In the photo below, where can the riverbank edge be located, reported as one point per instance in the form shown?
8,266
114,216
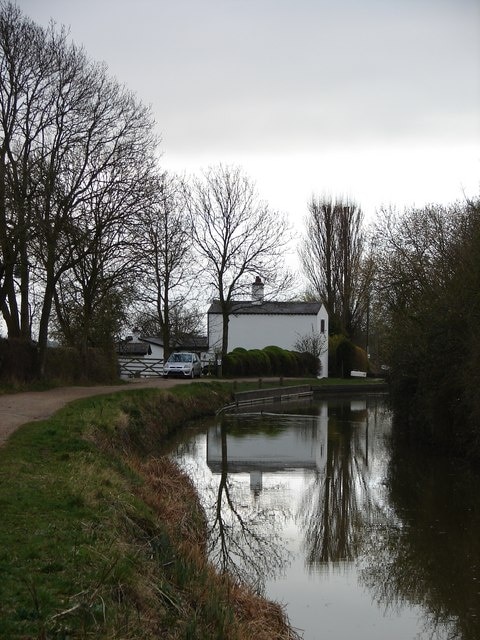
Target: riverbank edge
136,522
288,393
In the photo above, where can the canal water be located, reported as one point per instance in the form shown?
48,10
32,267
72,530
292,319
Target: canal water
316,507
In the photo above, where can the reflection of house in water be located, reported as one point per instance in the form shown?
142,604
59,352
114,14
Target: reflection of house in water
300,442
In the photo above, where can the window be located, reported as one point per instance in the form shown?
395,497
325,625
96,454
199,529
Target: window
322,326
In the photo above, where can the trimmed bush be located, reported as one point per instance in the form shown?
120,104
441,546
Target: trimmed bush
269,361
259,362
278,359
292,363
241,364
231,365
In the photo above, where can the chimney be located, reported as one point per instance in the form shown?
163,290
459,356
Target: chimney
257,291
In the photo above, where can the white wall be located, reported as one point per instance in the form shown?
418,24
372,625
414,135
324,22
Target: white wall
157,351
257,331
260,331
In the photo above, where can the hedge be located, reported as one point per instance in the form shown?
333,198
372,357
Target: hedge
19,364
271,360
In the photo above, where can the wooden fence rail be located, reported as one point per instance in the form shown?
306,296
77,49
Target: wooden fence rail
140,367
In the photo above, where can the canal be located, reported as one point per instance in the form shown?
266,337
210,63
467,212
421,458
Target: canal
317,507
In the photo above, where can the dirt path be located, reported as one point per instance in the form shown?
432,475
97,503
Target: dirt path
18,408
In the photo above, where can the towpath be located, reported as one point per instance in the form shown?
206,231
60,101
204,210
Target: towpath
19,408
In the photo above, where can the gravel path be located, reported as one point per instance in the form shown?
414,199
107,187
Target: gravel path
18,408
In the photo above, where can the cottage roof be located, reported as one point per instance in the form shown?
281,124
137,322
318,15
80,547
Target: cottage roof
249,307
192,341
152,340
186,341
133,349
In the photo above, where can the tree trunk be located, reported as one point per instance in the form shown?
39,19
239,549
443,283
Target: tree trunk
226,320
43,328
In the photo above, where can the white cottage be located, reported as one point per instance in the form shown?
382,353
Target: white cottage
257,323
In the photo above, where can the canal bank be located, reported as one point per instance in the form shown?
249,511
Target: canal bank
265,394
99,539
318,503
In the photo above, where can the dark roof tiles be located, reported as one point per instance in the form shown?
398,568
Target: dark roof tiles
247,307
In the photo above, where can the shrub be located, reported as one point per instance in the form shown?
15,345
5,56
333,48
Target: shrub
292,363
18,361
360,359
102,366
307,363
230,366
19,365
344,356
65,365
259,362
244,363
268,361
279,362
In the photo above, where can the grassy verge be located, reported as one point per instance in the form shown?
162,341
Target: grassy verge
99,540
22,387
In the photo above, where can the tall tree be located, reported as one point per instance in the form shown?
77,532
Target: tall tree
68,129
237,237
333,257
25,59
429,279
92,298
165,253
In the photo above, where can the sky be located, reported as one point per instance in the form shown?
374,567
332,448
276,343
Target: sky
374,100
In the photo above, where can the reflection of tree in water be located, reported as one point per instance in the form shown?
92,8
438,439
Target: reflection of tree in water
429,554
243,537
334,506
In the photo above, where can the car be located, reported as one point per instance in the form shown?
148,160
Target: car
183,364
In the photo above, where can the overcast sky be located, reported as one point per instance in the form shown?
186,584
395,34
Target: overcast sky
375,99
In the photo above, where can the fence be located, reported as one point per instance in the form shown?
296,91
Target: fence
140,367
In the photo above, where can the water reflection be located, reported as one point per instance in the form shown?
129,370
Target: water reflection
259,443
331,511
324,512
244,536
428,550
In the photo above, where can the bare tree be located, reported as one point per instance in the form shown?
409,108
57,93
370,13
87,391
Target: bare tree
167,259
68,130
333,258
92,298
237,236
318,252
24,94
314,342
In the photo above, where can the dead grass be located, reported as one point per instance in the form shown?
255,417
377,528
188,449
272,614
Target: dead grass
100,540
244,615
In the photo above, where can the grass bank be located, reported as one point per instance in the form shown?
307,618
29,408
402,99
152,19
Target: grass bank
98,540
